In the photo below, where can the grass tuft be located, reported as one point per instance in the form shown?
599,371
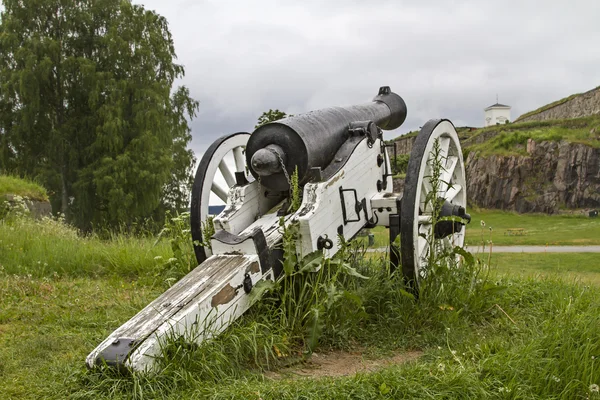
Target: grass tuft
22,187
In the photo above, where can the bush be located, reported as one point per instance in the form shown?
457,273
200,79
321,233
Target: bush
400,164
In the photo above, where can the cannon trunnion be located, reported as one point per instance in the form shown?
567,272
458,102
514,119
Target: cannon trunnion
345,177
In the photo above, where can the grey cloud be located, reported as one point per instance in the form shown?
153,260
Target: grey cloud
446,58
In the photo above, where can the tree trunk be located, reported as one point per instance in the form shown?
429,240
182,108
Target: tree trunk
64,205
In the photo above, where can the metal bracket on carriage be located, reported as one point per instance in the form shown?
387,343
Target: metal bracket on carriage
365,128
224,242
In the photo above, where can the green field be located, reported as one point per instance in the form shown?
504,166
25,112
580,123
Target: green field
584,267
524,331
540,229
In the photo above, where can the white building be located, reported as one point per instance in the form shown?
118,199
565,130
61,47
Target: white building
497,114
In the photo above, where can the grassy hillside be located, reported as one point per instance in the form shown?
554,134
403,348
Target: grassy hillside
511,139
549,106
22,187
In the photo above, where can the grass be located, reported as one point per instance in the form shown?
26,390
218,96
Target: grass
48,324
541,229
512,139
47,248
22,187
482,337
584,267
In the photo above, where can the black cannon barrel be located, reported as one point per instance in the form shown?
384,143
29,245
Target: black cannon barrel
311,140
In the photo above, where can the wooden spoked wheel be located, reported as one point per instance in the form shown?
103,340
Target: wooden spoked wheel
435,171
225,148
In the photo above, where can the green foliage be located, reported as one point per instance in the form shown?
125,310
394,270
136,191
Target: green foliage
177,233
295,192
400,164
22,187
208,230
14,210
270,116
88,108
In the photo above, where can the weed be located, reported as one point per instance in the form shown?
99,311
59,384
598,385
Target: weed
176,232
295,192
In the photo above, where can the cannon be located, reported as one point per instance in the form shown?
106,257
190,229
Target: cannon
337,158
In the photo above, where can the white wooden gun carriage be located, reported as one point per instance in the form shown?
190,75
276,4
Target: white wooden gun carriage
344,171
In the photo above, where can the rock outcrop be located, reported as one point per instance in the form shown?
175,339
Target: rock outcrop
38,209
553,175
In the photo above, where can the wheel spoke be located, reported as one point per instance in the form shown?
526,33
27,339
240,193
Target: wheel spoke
449,170
425,189
240,162
423,246
226,173
219,191
452,192
444,147
425,219
456,238
447,245
424,230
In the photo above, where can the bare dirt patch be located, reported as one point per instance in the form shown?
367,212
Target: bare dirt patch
341,363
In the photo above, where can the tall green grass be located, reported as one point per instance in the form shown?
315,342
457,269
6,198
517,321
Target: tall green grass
50,247
481,336
47,247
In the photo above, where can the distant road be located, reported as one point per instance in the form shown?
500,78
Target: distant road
523,249
537,249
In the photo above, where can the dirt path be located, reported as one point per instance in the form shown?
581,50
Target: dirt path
340,363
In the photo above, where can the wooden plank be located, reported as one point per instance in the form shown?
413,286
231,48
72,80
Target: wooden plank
189,300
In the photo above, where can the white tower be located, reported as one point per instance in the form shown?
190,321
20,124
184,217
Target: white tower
497,114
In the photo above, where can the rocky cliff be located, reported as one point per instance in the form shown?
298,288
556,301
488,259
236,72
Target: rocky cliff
551,176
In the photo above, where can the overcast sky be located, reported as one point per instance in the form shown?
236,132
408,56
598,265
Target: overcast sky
445,58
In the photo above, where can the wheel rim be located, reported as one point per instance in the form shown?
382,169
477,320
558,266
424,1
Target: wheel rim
417,239
214,159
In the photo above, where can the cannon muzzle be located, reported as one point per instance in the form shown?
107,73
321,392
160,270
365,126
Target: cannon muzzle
311,140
